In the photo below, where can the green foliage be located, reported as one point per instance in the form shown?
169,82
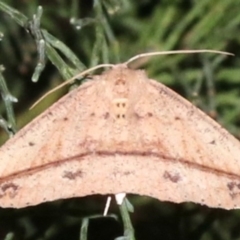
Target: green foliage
65,37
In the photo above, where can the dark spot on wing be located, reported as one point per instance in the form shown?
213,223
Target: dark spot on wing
230,186
126,173
213,142
120,116
11,185
106,115
174,177
31,143
234,189
72,175
9,188
140,116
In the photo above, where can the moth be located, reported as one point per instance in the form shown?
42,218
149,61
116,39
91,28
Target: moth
121,132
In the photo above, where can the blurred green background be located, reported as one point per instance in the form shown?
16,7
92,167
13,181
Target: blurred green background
113,31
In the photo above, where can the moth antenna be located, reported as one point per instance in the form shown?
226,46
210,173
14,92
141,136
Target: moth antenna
71,80
176,52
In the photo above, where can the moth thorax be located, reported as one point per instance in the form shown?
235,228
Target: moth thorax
120,106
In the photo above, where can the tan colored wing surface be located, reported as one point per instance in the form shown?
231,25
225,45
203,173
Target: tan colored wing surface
121,132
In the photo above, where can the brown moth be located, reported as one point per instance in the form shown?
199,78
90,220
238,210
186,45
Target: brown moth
121,132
